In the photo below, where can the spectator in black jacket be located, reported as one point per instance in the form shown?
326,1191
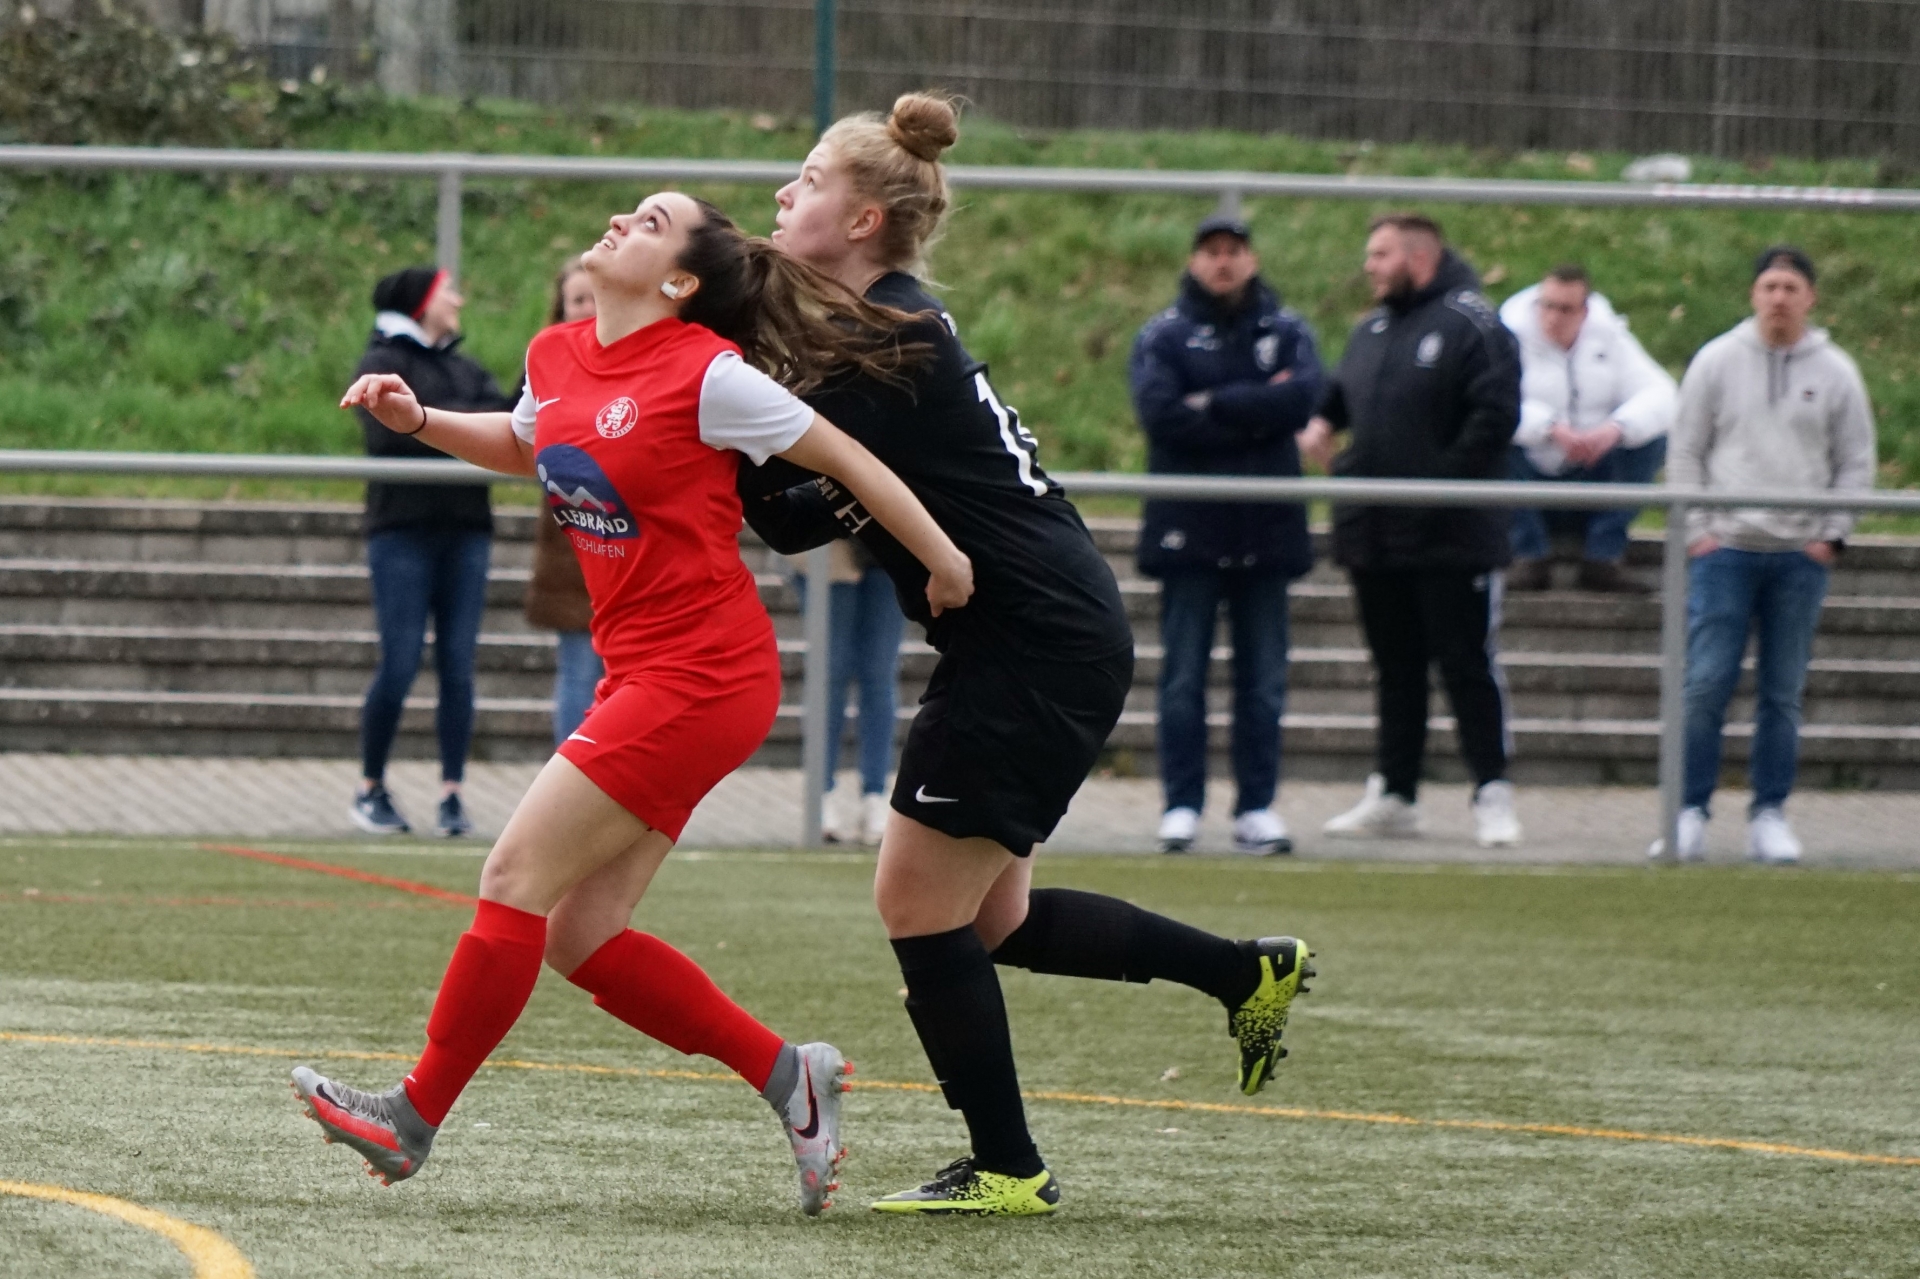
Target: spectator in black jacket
427,545
1222,381
1429,387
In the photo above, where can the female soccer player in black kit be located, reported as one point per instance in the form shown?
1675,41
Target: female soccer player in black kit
1031,680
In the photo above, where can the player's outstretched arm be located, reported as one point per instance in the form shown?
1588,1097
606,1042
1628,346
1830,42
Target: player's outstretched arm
484,439
828,450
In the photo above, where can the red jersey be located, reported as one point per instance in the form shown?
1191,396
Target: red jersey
633,444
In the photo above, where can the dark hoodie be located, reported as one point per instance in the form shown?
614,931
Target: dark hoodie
442,378
1429,388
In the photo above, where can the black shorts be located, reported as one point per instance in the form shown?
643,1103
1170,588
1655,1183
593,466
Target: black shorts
1002,743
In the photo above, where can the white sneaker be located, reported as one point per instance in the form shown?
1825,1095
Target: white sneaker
1495,825
1771,840
1378,815
1178,828
840,816
1262,831
1691,831
873,819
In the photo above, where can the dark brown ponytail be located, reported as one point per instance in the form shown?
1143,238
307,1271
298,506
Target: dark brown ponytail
797,324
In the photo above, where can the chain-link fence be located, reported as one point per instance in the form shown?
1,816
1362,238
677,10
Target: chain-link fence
1798,77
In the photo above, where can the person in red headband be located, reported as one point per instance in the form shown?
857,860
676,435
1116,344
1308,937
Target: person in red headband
428,546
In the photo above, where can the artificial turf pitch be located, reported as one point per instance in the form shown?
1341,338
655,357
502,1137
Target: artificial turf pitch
1778,1008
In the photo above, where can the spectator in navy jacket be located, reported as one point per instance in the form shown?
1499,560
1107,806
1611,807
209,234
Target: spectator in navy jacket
1222,380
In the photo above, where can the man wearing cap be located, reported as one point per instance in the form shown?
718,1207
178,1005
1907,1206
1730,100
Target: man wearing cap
1773,404
1222,380
427,545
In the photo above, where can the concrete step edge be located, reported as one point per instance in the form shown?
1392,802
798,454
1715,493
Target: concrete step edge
1293,721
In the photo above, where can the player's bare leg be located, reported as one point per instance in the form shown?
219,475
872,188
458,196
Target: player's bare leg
560,884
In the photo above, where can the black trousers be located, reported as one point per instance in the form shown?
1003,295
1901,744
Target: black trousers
1414,620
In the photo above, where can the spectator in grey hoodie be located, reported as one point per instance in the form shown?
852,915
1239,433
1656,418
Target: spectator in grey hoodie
1771,405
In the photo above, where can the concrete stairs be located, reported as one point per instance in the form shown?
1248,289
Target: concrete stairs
244,629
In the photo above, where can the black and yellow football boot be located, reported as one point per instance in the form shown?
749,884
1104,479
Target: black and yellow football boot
1256,1024
961,1188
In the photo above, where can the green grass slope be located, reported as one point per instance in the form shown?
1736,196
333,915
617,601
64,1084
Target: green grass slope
175,312
1730,1003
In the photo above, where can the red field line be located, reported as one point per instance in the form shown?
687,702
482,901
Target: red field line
346,872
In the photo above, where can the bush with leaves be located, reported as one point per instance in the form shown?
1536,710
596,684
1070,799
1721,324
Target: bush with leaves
104,73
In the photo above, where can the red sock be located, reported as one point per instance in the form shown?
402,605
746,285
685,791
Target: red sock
660,992
494,966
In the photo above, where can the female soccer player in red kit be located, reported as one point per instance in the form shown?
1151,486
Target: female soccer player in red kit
631,421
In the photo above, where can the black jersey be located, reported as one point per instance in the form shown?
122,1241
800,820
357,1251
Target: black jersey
1041,587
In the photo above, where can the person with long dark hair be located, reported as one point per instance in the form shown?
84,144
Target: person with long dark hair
630,422
1032,677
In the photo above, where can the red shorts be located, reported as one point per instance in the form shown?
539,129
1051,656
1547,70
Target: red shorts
663,734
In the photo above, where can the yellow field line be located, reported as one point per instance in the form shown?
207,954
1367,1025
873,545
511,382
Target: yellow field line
1043,1094
211,1256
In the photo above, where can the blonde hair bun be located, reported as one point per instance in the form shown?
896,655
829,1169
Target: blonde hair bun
924,124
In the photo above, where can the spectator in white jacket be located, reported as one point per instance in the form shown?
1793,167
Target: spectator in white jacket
1594,408
1771,405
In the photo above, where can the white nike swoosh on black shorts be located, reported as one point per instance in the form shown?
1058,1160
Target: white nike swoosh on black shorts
924,798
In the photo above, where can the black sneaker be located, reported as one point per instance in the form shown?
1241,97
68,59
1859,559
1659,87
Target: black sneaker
1608,577
452,822
1529,575
374,813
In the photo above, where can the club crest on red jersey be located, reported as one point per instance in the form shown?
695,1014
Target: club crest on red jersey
581,496
617,418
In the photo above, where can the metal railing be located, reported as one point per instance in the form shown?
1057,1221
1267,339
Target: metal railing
1675,502
452,169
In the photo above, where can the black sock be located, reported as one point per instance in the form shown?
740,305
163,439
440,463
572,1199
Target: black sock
1076,934
953,997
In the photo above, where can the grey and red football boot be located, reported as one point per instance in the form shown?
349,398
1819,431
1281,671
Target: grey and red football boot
382,1126
811,1116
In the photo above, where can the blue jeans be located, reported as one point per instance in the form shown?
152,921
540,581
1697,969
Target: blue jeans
1606,531
863,649
1257,620
419,574
576,673
1778,594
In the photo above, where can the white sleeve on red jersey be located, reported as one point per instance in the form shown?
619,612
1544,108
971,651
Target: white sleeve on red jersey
525,411
742,408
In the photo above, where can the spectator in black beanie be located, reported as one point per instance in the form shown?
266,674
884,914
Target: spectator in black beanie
427,544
